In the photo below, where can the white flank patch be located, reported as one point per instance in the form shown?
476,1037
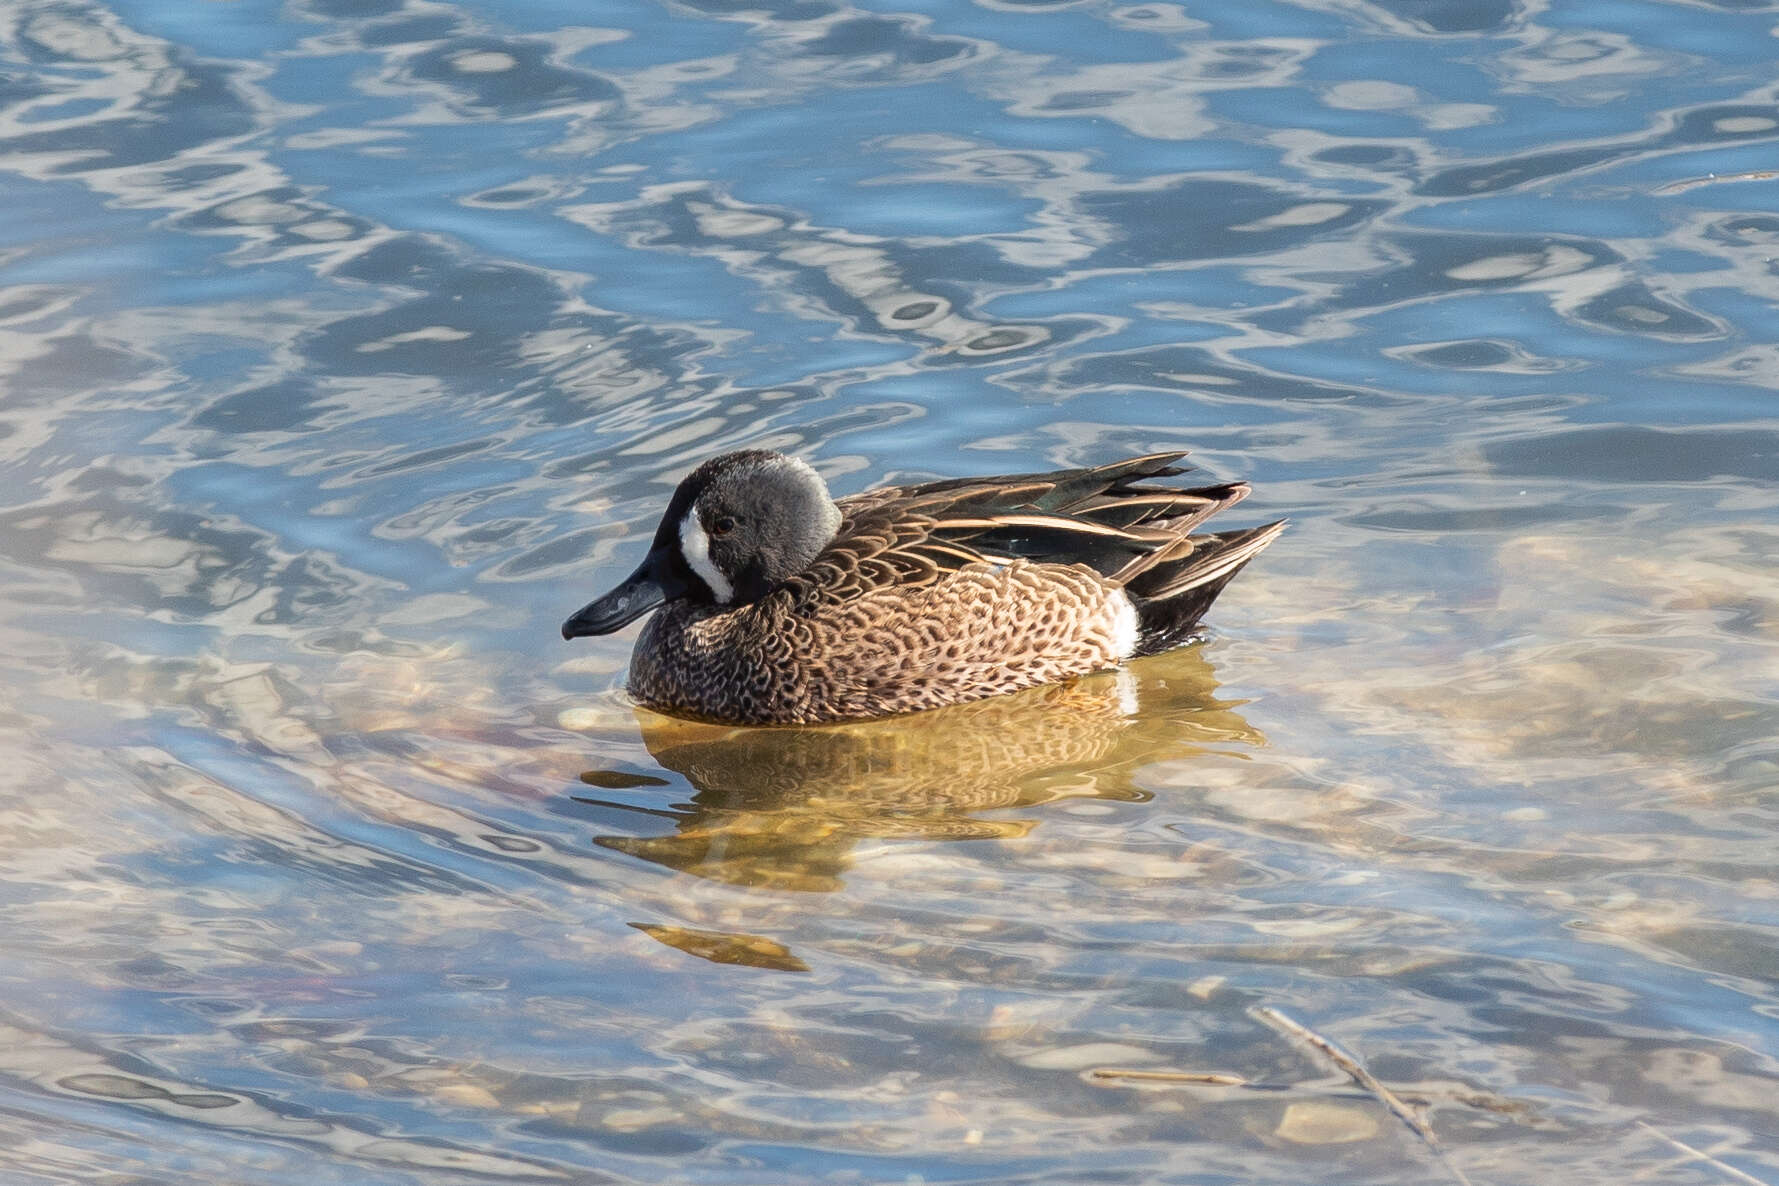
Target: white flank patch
695,545
1124,626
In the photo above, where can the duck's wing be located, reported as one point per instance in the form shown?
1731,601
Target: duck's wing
1057,490
1104,517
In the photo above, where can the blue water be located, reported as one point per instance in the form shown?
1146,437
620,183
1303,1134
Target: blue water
347,345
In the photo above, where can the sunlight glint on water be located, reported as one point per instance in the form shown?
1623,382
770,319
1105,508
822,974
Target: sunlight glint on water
347,345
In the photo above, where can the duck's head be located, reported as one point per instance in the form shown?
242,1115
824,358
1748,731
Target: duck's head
738,526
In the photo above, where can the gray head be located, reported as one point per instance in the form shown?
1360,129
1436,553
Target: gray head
737,527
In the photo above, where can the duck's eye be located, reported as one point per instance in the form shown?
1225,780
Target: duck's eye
722,525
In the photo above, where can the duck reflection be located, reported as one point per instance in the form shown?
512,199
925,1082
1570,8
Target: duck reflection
784,807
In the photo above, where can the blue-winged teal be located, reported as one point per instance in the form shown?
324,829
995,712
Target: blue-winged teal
782,606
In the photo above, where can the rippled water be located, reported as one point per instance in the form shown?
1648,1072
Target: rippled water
346,345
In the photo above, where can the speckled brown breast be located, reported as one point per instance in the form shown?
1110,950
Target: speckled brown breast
978,631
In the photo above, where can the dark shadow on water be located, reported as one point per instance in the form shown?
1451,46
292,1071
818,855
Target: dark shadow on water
785,807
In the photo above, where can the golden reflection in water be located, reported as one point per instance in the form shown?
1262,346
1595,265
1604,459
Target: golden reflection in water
784,807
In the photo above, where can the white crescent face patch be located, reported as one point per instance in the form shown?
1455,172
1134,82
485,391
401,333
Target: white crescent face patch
694,545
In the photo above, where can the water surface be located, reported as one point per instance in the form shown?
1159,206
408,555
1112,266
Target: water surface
347,345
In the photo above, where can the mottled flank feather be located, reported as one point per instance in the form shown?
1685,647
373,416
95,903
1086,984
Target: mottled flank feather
953,591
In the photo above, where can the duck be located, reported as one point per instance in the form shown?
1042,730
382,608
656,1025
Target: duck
775,604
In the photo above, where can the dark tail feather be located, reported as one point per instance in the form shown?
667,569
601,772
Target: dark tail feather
1115,477
1171,598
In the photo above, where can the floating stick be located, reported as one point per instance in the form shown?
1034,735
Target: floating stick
1355,1070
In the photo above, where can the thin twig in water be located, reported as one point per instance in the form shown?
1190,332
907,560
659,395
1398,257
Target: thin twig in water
1219,1079
1482,1101
1208,1078
1355,1070
1700,1155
